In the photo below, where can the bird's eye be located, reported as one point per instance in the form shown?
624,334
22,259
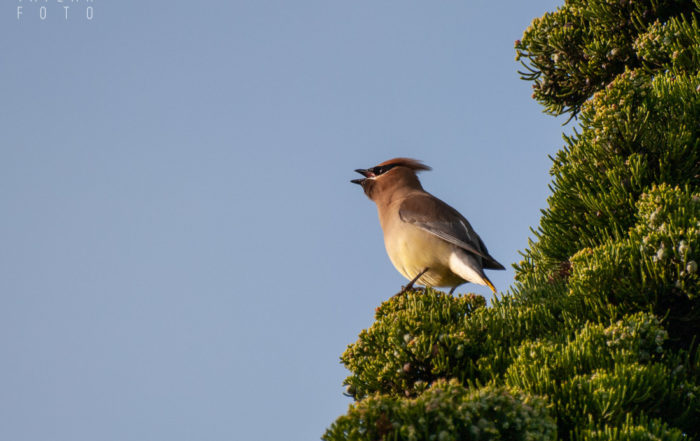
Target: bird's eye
381,169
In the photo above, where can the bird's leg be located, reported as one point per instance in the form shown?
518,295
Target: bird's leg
453,289
415,279
410,284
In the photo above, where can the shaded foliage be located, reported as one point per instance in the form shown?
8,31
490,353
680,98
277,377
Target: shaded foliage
447,411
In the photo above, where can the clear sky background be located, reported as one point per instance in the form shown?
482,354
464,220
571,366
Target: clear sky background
182,255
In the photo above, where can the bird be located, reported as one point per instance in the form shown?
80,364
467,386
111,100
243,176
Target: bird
428,241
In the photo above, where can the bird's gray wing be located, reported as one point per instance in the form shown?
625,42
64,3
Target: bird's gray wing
436,217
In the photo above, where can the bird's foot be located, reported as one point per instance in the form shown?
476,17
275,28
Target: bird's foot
409,287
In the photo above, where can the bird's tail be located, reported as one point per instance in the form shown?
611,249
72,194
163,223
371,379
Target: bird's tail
469,268
489,284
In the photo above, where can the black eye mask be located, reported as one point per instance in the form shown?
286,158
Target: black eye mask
381,169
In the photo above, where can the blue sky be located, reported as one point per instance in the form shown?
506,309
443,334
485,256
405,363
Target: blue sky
183,256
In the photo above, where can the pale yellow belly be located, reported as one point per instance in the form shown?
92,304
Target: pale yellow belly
414,250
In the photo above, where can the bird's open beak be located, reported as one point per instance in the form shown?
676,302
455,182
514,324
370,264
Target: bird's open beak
364,173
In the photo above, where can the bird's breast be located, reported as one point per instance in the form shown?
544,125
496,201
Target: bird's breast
412,249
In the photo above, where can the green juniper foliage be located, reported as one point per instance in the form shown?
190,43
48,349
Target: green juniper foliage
448,411
597,338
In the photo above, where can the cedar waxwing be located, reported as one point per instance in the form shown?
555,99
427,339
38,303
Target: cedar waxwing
428,241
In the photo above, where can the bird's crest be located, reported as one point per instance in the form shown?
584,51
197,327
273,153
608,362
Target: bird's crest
413,164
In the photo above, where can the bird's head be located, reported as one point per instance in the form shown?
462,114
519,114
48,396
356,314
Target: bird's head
389,176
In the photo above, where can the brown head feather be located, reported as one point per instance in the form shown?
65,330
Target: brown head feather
413,164
400,175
